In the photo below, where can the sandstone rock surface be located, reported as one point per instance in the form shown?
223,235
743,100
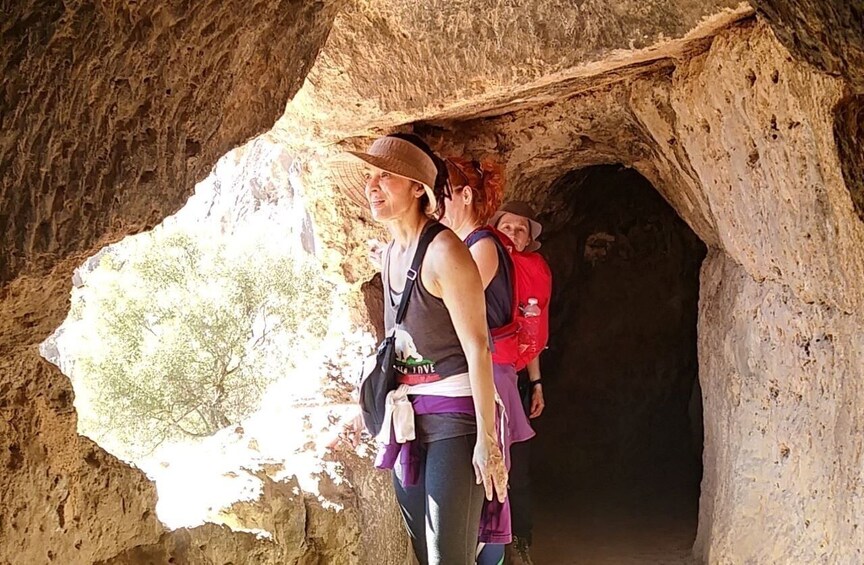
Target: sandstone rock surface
64,499
828,34
364,529
783,475
387,63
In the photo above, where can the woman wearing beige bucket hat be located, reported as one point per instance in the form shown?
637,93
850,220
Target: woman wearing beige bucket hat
449,444
517,220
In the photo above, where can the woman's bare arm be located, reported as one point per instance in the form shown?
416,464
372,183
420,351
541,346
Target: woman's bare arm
534,369
485,254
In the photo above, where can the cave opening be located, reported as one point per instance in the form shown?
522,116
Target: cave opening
181,344
616,464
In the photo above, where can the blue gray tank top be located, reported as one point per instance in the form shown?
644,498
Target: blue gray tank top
499,293
427,347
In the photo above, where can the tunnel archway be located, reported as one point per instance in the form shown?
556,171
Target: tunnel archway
617,460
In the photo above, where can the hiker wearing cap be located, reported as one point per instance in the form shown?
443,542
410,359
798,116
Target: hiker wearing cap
518,221
476,189
441,434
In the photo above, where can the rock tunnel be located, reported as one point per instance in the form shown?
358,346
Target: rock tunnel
627,287
623,362
708,151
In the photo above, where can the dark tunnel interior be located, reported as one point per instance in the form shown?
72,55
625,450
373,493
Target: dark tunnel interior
616,463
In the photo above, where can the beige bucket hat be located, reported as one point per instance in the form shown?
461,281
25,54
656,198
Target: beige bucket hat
392,154
520,208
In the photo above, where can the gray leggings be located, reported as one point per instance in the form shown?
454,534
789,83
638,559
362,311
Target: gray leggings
442,512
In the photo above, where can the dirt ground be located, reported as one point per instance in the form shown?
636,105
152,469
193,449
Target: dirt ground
628,527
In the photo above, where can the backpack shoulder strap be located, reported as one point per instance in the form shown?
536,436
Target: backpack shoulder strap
480,233
430,233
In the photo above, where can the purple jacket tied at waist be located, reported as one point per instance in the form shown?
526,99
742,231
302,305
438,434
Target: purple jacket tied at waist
495,519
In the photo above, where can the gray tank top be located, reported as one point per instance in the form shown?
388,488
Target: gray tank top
427,347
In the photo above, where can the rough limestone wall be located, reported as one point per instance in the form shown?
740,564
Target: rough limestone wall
206,545
781,381
359,527
780,324
452,58
110,113
758,128
381,527
629,122
827,33
64,499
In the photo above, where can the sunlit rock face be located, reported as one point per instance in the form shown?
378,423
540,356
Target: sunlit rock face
396,62
111,113
252,185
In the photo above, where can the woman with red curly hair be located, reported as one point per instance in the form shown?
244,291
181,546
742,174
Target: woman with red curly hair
476,190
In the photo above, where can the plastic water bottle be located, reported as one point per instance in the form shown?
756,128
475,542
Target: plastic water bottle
532,310
529,329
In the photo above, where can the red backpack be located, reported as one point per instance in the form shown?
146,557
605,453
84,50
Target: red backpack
522,340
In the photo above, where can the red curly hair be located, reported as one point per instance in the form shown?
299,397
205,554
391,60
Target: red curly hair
486,179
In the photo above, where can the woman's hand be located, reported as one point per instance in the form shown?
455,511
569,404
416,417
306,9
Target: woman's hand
489,467
352,430
537,401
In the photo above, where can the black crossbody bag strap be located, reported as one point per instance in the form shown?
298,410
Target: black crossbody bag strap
425,239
